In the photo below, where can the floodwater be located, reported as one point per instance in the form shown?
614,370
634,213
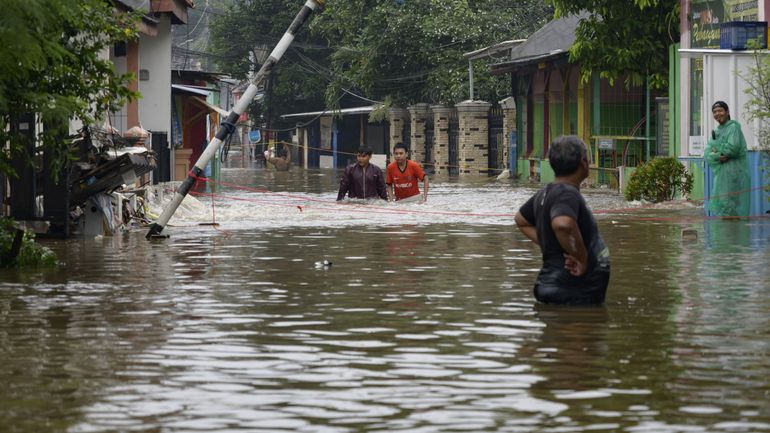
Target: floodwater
424,322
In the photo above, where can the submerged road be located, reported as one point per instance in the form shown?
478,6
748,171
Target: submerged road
424,322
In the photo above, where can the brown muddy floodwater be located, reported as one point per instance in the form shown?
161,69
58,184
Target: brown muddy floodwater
425,321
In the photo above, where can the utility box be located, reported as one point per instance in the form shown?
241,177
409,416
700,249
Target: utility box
735,35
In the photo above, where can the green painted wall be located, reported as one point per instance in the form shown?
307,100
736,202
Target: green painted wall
699,179
556,123
619,119
546,172
573,110
538,125
522,166
521,133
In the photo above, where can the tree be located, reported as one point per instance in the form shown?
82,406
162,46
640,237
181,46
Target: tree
622,39
411,51
243,36
378,50
758,106
50,65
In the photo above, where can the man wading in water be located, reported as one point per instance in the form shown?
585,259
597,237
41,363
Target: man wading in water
576,263
401,177
362,180
281,163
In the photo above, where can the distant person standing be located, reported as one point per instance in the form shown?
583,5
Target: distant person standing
362,179
726,155
402,176
281,163
576,263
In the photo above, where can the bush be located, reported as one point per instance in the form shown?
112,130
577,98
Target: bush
659,180
30,254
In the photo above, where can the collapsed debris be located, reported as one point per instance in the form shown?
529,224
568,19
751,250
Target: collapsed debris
100,191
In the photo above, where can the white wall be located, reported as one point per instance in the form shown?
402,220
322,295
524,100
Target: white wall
155,57
724,78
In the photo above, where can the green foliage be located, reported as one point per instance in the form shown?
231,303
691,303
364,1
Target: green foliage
402,52
50,65
624,38
241,40
758,105
30,255
413,51
659,180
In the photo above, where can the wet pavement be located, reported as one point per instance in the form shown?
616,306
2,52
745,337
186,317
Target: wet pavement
424,322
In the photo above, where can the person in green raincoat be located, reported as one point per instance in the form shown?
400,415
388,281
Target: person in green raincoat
726,155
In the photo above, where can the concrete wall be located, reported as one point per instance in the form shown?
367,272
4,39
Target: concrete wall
155,58
441,137
473,144
417,114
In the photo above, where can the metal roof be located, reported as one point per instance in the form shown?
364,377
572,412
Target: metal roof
553,40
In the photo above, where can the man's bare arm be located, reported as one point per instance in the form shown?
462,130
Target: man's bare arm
525,227
568,234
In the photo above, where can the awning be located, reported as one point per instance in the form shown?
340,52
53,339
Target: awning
191,89
205,104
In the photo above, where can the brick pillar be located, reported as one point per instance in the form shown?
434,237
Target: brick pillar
509,127
473,145
397,117
418,114
441,137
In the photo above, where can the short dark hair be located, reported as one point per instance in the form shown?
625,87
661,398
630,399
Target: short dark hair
565,154
400,145
722,104
366,150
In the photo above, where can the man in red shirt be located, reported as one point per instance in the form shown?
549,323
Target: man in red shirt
402,176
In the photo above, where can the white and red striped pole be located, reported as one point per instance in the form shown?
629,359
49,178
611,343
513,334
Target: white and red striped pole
228,126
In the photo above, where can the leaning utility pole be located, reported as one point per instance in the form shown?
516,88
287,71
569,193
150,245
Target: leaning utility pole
228,126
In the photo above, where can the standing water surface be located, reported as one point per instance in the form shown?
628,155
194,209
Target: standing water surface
424,322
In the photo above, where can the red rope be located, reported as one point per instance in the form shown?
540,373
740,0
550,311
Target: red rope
352,207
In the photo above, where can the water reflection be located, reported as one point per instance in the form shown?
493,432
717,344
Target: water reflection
423,323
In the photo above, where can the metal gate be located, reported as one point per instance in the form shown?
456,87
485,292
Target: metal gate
454,138
495,163
162,170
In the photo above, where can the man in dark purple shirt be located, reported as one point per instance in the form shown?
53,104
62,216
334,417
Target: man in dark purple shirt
362,179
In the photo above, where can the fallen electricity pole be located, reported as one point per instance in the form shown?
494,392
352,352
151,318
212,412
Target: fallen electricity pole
228,126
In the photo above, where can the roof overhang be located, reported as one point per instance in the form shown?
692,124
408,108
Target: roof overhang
528,63
700,52
193,90
492,50
202,102
177,9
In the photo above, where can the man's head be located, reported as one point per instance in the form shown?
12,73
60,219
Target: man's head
400,152
567,156
720,111
363,155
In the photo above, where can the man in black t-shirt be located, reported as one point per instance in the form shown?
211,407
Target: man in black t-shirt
576,262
